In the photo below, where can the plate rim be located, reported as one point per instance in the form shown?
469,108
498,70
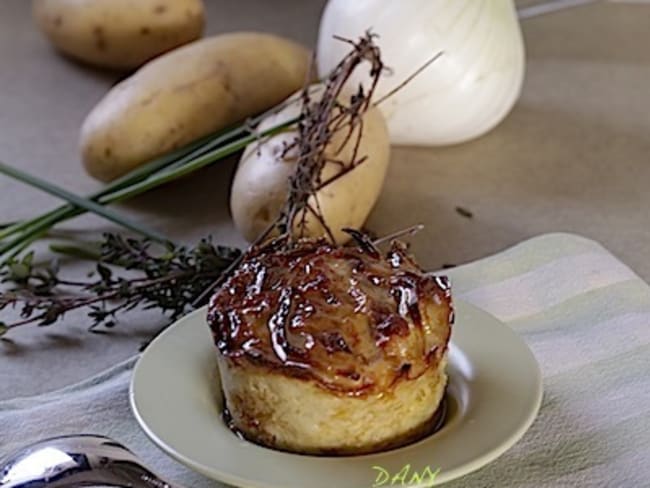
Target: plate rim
444,476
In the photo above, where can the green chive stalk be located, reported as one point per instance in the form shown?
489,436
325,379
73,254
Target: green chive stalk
159,172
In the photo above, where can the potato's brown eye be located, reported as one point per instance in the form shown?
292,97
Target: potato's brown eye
328,349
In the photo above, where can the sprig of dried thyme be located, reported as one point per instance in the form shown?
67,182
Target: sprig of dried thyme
129,273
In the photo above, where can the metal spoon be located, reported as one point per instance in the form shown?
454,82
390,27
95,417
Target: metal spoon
75,461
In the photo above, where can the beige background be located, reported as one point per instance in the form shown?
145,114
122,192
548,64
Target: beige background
573,156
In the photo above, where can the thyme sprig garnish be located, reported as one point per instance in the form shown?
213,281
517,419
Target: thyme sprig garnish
320,120
130,273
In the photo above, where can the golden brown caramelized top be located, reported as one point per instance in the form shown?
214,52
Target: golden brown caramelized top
353,320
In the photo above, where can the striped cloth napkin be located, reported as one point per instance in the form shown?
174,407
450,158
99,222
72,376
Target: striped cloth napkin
586,317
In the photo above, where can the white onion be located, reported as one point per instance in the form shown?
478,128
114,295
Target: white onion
465,92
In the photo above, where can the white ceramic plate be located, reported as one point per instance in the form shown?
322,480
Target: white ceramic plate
495,389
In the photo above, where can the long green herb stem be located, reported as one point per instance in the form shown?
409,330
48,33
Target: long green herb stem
175,158
88,205
200,162
126,180
32,228
157,173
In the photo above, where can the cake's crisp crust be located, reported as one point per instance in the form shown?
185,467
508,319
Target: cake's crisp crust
351,320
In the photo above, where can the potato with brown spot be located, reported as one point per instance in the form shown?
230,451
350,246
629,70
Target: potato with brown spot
186,94
119,34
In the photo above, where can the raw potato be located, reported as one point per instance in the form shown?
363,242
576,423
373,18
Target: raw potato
186,94
120,34
261,182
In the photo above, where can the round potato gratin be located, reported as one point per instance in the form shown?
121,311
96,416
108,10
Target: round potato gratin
325,349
